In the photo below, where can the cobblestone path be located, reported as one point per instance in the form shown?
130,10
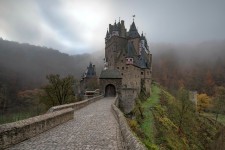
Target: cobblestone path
93,128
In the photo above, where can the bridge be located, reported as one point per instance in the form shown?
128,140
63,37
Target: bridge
99,125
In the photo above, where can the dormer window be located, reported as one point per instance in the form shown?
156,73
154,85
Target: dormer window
129,60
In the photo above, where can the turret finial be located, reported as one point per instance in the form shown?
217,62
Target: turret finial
133,17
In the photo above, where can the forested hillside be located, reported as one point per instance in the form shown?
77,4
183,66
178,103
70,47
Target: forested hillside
200,67
25,67
164,121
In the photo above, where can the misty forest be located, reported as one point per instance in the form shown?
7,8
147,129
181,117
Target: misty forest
24,69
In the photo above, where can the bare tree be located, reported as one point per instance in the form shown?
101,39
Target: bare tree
59,90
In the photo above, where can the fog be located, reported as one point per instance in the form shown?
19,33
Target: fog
186,55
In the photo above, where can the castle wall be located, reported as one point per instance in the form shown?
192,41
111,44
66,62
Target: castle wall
113,48
131,74
127,99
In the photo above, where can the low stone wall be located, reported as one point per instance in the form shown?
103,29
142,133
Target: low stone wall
13,133
131,142
77,105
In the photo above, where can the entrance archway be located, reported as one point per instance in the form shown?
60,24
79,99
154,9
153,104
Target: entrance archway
110,90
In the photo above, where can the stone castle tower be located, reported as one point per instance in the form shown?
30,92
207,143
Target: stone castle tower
88,79
128,64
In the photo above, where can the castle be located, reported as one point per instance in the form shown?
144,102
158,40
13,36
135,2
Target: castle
128,65
88,79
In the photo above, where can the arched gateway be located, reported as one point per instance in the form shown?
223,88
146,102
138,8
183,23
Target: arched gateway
110,82
110,90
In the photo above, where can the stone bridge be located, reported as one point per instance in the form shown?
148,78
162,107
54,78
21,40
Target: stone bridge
96,126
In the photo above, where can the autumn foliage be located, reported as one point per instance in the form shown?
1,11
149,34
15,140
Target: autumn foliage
204,102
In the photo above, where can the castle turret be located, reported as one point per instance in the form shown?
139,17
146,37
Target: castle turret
107,36
133,32
122,29
115,30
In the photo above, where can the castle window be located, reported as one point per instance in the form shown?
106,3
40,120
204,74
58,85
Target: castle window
122,74
142,73
121,60
129,60
122,68
118,67
126,67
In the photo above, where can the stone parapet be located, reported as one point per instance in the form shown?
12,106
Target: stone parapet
15,132
77,105
131,142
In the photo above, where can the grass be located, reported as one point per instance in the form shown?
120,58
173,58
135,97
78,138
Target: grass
14,117
148,123
21,114
221,117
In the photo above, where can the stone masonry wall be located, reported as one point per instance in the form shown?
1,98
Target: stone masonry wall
131,142
127,99
77,105
13,133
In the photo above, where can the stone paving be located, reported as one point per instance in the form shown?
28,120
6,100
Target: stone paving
93,128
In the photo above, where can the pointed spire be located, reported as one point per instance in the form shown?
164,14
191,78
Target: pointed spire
107,34
142,36
133,33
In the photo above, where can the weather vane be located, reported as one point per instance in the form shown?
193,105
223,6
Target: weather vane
133,17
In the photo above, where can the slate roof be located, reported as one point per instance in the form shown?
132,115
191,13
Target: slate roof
133,33
110,74
131,50
90,72
138,60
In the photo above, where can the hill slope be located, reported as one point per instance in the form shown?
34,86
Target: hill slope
24,67
165,122
29,65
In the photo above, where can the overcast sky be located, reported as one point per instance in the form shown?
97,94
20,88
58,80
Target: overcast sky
79,26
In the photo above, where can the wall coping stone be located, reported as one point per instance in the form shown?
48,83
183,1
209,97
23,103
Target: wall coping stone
131,141
76,105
